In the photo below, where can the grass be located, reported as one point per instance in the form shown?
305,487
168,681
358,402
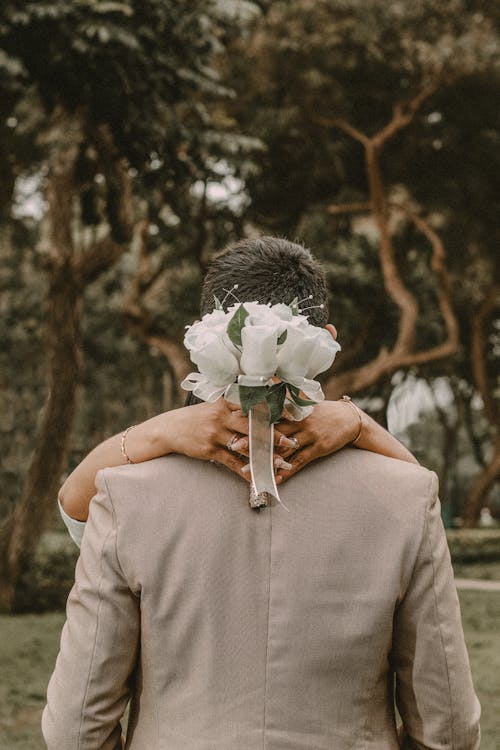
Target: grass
28,649
480,616
29,645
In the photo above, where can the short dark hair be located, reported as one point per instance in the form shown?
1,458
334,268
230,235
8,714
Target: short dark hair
267,269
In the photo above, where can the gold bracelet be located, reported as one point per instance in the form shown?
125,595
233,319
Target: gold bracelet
347,400
124,452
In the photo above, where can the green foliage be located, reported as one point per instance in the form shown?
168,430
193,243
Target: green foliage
236,324
274,395
22,383
46,582
275,398
120,63
250,396
295,395
474,545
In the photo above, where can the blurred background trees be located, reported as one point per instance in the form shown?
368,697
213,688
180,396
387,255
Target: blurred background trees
138,139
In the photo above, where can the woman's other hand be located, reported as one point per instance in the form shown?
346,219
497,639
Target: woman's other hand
331,426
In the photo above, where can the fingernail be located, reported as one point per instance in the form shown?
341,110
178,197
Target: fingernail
281,463
286,441
240,444
245,469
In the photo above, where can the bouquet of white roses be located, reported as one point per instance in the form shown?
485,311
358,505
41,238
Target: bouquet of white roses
254,353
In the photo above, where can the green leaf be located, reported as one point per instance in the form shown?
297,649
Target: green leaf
218,303
294,393
236,324
275,386
282,338
250,396
275,400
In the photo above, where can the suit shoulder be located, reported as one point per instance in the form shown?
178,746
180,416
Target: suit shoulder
381,475
146,473
393,467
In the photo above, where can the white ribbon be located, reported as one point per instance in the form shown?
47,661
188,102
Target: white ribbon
261,441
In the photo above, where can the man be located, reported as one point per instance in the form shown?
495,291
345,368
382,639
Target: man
237,630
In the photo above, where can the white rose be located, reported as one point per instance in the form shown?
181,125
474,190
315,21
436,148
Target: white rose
294,354
307,351
299,321
214,359
262,315
259,343
215,321
323,354
202,387
282,311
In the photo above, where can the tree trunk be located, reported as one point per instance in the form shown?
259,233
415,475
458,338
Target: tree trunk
483,483
21,530
480,488
468,421
402,354
70,270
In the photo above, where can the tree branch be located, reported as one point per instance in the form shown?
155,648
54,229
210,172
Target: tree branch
118,185
478,347
341,124
475,441
483,483
403,114
139,319
144,328
103,253
389,361
401,354
101,256
393,281
438,266
350,208
481,486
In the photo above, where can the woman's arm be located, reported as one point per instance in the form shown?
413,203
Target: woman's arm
204,430
331,426
201,431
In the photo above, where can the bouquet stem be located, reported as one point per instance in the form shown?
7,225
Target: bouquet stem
261,432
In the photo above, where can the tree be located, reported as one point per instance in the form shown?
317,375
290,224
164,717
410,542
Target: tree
114,84
361,110
483,378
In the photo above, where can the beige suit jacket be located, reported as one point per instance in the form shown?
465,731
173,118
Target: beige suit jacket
236,629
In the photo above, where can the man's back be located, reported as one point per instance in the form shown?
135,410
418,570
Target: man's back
272,629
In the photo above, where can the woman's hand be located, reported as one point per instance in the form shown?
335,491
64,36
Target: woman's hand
326,430
202,431
331,426
206,430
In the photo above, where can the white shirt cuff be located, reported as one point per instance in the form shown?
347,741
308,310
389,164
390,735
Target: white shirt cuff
75,528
